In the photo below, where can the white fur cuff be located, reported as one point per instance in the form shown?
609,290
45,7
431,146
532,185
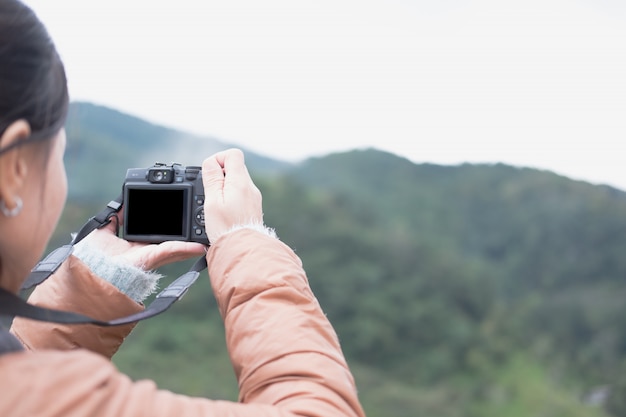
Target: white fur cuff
135,282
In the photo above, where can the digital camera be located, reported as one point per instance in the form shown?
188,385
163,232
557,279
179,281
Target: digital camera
164,202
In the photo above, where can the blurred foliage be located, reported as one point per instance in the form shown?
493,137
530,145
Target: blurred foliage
469,290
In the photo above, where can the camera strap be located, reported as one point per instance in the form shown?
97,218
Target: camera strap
12,305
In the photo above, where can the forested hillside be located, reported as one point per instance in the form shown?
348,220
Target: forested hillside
469,290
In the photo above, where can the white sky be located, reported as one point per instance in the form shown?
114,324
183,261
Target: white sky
537,83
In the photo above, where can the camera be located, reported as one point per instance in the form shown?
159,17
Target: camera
164,202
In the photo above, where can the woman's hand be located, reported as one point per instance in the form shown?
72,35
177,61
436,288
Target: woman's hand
142,255
230,197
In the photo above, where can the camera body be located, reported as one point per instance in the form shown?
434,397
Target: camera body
163,203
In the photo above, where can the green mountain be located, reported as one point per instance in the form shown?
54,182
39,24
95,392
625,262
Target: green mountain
468,290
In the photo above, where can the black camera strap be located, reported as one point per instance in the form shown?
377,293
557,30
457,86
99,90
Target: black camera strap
12,305
53,261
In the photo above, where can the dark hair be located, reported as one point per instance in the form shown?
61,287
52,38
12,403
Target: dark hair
33,85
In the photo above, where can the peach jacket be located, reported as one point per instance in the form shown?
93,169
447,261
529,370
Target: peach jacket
285,353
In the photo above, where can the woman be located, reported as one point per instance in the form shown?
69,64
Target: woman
285,353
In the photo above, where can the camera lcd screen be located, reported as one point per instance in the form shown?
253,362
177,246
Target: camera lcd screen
155,212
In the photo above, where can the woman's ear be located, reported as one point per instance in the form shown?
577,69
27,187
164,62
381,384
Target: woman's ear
13,165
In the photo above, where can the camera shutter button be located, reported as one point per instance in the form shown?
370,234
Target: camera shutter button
191,173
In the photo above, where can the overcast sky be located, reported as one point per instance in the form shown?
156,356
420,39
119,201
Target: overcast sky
537,83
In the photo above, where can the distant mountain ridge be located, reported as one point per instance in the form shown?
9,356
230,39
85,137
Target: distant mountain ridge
103,143
483,208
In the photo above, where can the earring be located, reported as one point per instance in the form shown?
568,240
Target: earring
11,212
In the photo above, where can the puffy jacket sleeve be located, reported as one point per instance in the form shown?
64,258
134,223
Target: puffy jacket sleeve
75,288
283,348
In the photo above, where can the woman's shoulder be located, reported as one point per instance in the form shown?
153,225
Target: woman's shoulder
45,382
51,367
43,360
78,383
